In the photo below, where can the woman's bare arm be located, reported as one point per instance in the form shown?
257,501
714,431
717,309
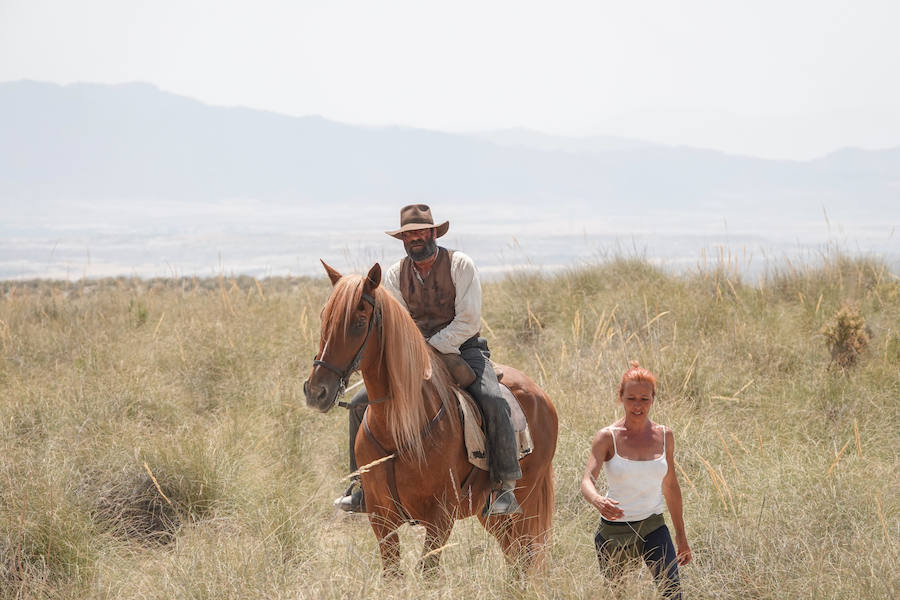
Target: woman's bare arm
672,493
600,450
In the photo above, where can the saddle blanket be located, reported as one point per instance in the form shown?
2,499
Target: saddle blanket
476,447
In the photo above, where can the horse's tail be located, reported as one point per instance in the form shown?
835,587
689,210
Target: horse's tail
525,537
539,524
539,527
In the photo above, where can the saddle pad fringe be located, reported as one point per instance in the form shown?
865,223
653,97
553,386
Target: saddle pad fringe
476,447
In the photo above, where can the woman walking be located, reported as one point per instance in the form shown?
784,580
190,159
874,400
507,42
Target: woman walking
638,457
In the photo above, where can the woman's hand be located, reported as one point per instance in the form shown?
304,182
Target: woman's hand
683,552
608,507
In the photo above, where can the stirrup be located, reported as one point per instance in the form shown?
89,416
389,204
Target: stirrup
504,503
353,500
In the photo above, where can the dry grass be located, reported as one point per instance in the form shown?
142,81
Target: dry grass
155,443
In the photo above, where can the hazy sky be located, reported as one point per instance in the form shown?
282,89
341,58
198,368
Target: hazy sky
785,79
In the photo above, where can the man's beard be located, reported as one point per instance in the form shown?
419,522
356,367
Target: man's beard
423,252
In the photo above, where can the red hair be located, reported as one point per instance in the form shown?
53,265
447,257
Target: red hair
637,373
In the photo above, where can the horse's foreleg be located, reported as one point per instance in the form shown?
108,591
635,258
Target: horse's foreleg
388,544
436,535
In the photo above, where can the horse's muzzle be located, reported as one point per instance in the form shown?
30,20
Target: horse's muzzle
318,396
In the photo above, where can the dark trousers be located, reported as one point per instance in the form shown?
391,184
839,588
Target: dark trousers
503,452
658,554
357,408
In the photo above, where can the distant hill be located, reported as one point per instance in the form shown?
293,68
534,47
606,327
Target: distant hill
133,143
526,138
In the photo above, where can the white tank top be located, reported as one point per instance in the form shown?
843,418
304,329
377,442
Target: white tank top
636,484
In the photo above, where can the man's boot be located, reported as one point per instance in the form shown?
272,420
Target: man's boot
504,500
353,500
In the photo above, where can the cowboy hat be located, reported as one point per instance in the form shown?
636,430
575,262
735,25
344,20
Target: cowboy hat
418,216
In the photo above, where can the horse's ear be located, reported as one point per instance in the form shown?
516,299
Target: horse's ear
333,275
373,279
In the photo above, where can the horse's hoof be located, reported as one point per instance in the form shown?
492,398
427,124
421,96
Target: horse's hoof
430,571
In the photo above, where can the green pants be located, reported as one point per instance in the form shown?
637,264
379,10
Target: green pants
625,540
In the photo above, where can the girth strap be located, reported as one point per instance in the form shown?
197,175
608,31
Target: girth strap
390,474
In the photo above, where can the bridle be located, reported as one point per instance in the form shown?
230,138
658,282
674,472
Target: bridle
344,374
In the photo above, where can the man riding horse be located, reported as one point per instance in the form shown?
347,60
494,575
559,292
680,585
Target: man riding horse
441,291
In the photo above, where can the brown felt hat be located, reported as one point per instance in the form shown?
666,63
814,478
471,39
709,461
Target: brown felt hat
418,216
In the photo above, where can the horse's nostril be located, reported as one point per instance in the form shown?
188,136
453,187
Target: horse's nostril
315,394
311,392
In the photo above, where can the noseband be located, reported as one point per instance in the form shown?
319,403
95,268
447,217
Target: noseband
344,375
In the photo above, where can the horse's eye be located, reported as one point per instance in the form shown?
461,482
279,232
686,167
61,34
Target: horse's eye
358,325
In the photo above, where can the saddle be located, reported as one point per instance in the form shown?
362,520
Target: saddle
460,370
473,432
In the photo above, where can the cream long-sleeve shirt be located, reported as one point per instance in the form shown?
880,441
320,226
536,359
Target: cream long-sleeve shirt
467,321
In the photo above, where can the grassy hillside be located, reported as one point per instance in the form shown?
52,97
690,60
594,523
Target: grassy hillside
155,442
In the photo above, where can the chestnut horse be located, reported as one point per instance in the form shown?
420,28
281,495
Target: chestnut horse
413,419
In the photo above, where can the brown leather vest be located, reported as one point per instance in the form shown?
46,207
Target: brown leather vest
432,301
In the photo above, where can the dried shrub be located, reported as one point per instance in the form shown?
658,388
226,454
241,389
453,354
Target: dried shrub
846,335
133,508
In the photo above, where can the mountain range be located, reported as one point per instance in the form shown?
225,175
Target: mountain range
132,143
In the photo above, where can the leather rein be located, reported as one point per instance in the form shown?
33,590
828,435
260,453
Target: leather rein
344,374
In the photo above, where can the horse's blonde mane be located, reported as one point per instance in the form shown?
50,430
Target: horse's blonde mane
344,299
405,357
